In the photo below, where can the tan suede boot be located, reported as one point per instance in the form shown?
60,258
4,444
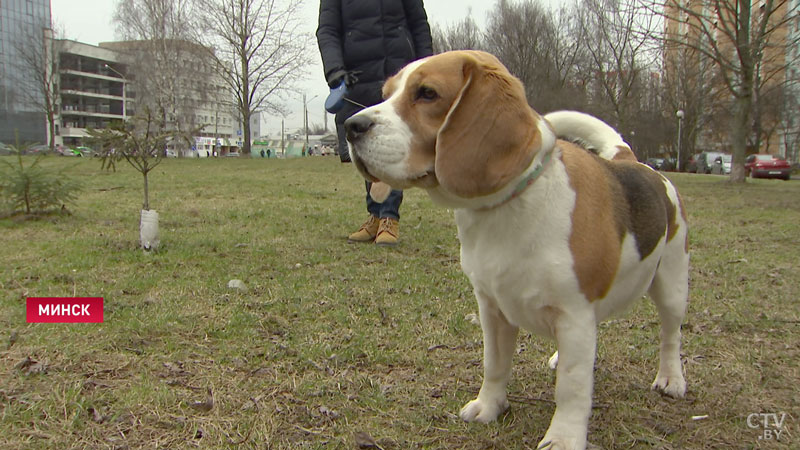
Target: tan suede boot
367,232
388,232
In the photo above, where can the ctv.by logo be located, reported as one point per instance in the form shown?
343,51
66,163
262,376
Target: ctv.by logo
771,425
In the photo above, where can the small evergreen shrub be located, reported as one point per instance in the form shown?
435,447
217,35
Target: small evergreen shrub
33,189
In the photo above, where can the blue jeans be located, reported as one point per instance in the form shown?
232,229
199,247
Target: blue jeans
389,209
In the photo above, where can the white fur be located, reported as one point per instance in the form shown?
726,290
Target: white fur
589,130
517,256
386,149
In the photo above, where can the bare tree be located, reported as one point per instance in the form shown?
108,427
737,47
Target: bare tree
522,34
39,59
543,48
570,57
162,46
689,86
617,35
736,37
464,35
259,51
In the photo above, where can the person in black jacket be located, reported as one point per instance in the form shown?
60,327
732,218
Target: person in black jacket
363,42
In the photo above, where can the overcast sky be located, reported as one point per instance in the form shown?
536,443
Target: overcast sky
89,21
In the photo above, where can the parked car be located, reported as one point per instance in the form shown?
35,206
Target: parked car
722,165
691,164
4,150
767,166
77,151
655,163
234,154
37,149
705,160
170,153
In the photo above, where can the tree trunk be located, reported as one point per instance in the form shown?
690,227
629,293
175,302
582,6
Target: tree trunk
739,132
246,135
51,122
744,98
246,95
146,204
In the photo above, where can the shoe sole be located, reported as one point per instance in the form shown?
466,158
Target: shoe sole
351,241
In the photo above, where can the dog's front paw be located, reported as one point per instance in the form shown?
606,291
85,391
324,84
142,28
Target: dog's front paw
556,443
483,411
552,363
671,385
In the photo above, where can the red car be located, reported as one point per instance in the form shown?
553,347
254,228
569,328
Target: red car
767,166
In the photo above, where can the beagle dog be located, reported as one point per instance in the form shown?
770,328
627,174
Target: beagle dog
555,237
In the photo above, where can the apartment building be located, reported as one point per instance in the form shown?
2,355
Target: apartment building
184,82
790,136
94,90
22,23
698,75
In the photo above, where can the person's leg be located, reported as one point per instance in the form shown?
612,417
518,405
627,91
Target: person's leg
389,213
342,150
374,208
369,229
390,208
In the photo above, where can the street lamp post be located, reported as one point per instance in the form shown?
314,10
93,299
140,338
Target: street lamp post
124,100
679,114
305,115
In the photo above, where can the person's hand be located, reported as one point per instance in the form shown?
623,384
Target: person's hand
336,78
351,78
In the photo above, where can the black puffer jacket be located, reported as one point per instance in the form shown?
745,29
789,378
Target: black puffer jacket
374,37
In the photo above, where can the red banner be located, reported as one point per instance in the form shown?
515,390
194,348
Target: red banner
65,309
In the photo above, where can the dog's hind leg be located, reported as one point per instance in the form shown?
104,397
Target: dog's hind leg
670,291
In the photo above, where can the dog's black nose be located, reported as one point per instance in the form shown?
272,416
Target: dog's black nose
356,126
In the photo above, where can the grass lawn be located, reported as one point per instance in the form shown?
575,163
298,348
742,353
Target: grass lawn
340,346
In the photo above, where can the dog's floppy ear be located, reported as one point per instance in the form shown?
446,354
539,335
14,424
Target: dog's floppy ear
490,133
379,191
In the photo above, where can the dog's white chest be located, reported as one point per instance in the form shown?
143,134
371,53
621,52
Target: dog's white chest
520,258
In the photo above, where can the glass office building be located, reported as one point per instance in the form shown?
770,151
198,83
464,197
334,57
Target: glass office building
22,24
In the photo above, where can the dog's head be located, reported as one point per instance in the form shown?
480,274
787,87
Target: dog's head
457,123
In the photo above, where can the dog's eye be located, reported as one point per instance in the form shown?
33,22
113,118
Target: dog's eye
427,94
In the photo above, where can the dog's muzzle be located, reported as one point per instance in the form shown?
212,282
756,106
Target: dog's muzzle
355,128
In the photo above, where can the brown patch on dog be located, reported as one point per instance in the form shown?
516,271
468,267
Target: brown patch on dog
672,224
645,198
624,154
391,84
685,221
596,220
613,199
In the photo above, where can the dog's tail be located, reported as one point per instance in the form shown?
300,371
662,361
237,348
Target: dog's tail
590,133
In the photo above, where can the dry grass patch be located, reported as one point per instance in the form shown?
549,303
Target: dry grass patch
336,345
